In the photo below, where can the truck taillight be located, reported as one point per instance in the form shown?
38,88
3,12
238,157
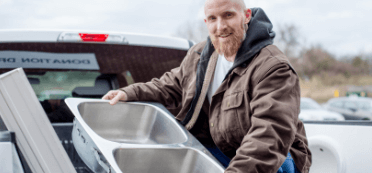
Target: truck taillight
93,37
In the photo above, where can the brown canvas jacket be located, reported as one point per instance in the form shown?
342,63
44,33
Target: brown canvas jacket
253,116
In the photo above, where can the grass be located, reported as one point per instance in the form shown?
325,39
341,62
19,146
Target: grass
322,87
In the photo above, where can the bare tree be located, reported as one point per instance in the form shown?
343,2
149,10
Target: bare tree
193,30
368,59
288,39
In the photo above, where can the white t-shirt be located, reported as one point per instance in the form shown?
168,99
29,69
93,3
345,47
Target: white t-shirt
222,67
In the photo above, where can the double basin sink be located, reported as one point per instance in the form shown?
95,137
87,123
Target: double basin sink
138,137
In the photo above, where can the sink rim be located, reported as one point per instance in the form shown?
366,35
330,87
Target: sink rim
74,103
202,154
163,115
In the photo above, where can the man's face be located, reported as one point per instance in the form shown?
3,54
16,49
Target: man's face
225,22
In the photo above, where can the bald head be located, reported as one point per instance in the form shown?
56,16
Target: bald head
238,4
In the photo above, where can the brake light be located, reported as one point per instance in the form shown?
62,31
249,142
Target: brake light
87,37
93,37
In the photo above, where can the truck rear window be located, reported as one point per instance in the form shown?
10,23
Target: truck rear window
52,87
59,85
86,70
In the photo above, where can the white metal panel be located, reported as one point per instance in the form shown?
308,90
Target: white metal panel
6,160
157,41
28,36
340,148
35,136
131,38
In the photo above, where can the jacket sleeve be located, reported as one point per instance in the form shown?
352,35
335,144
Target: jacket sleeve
275,102
167,90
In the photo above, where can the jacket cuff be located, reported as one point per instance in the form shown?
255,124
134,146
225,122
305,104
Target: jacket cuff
131,93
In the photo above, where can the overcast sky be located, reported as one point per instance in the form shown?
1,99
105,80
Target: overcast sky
341,27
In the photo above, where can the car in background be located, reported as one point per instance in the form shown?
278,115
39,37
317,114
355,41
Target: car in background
312,111
352,108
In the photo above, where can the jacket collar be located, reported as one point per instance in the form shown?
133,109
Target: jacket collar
258,36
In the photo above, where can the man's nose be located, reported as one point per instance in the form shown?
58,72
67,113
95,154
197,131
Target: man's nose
221,24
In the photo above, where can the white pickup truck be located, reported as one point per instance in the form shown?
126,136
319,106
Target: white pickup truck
87,64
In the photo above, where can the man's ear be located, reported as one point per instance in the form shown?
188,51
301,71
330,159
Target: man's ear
248,15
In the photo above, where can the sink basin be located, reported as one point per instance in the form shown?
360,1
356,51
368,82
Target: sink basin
131,123
160,160
135,137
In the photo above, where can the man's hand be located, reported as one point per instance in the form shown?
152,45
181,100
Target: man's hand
115,96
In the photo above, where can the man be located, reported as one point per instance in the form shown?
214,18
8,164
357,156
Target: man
237,93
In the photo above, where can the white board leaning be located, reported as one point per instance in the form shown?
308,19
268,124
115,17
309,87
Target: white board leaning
35,136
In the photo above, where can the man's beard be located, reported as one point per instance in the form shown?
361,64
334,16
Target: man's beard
232,43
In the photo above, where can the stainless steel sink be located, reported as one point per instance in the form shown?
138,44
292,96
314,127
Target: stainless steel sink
135,137
159,160
131,123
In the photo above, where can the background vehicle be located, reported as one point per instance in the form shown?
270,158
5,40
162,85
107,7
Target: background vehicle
312,111
352,108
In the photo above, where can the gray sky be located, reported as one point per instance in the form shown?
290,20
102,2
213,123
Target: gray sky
341,27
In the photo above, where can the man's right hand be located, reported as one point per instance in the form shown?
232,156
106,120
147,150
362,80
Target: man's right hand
115,96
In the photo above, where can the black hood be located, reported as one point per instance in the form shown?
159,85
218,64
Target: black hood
258,36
